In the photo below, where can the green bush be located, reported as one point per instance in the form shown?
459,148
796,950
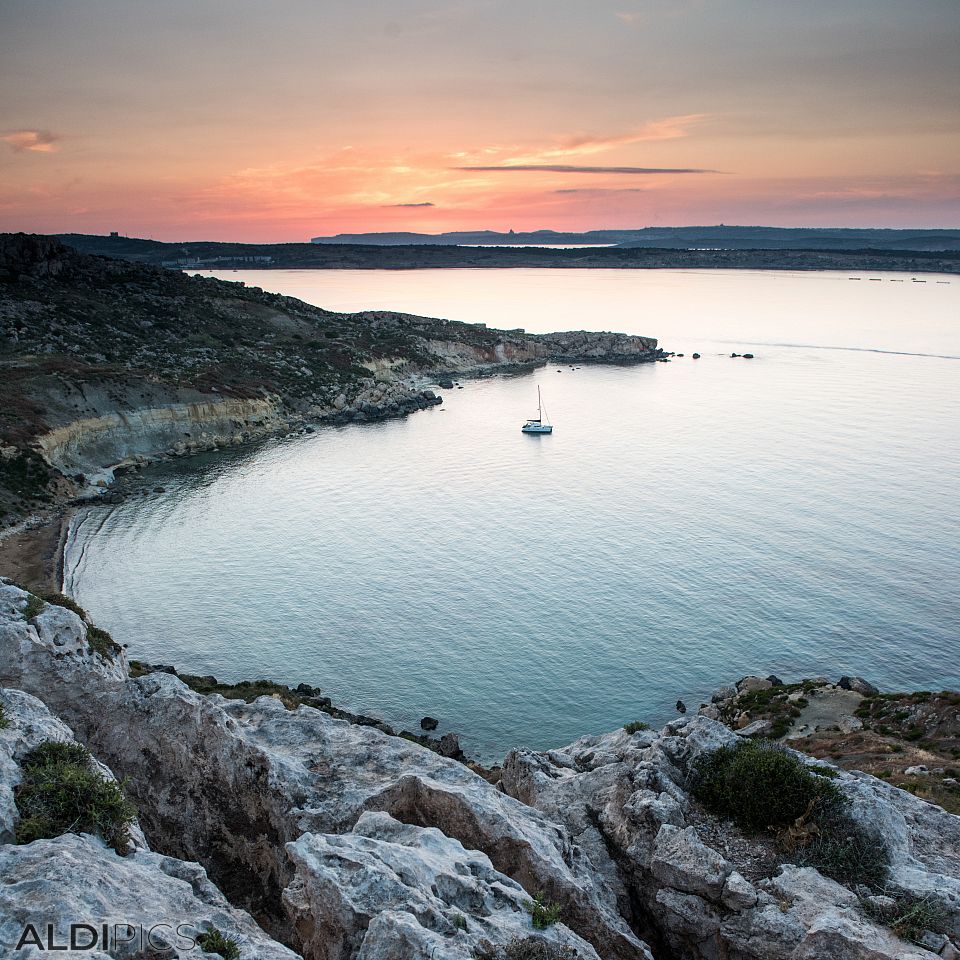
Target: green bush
62,793
635,726
543,913
759,784
213,941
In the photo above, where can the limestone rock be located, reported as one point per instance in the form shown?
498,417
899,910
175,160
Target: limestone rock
681,861
423,887
685,872
738,893
77,879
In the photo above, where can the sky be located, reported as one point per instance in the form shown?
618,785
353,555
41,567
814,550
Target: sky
282,120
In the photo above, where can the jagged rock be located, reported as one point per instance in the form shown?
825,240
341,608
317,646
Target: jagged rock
858,685
738,893
681,861
427,890
628,795
77,879
750,684
429,723
755,728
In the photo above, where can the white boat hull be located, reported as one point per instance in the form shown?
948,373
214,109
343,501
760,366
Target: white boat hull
536,428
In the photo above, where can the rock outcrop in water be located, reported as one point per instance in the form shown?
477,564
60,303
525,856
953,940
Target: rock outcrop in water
344,842
107,363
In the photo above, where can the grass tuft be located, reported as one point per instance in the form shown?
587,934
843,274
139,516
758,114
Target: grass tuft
101,642
62,600
527,948
214,941
543,912
34,607
911,917
635,726
61,793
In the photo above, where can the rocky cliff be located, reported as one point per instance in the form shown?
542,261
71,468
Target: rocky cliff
106,362
343,842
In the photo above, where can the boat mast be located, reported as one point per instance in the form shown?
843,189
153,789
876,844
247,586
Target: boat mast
539,406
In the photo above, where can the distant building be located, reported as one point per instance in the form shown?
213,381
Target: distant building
114,233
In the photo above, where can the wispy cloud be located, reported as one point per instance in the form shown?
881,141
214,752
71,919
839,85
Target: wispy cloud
601,191
426,203
629,16
571,168
585,144
34,141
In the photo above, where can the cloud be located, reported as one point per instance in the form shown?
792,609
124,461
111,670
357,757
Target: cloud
593,191
570,168
582,144
424,204
36,141
629,16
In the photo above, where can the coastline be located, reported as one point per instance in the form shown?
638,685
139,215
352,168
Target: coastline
33,553
360,256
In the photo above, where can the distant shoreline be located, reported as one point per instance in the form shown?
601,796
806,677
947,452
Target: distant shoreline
285,256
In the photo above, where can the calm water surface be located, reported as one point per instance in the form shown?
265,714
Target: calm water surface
686,523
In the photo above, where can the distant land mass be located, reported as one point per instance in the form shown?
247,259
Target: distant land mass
684,238
211,255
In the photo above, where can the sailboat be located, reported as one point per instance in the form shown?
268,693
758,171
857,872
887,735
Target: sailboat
541,424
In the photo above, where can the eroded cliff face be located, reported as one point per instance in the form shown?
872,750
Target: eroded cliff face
92,444
344,842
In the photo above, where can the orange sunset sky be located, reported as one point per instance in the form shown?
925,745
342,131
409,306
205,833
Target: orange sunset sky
235,120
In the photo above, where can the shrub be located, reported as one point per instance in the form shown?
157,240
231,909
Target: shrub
843,851
911,916
62,793
101,642
213,941
758,784
543,912
4,722
635,726
34,606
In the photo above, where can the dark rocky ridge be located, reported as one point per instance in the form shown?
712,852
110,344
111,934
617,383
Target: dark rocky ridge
871,254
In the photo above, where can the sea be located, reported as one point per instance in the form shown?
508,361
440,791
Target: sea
686,524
